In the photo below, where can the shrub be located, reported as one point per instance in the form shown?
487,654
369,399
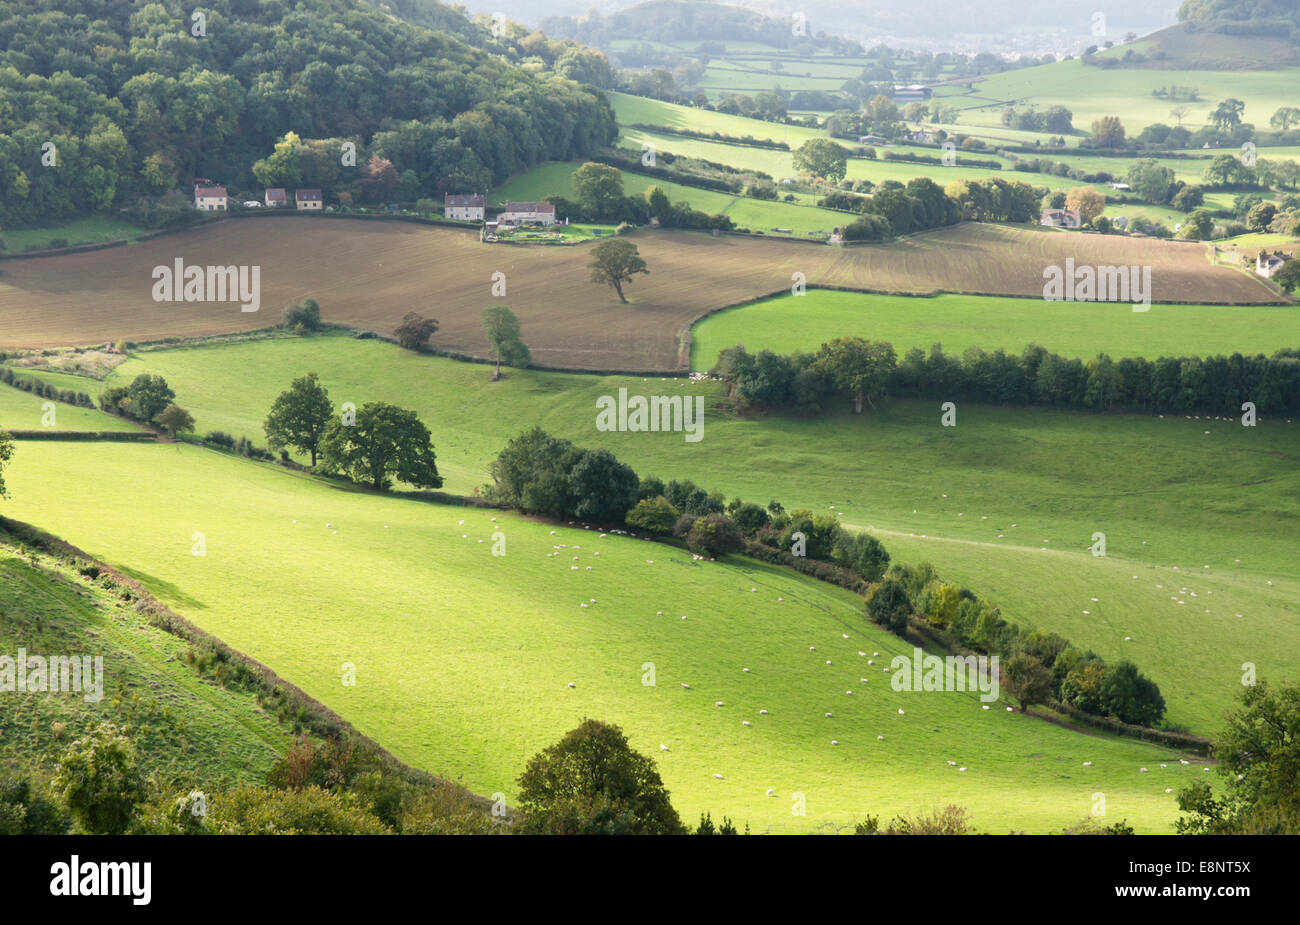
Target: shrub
714,535
654,515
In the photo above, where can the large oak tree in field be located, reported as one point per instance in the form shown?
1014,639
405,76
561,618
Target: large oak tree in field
384,443
299,416
614,262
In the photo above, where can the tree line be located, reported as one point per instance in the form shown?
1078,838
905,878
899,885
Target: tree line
537,473
862,371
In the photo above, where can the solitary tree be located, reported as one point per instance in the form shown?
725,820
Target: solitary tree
821,157
1088,201
614,262
384,443
303,315
599,188
299,416
415,330
502,330
593,783
174,419
1108,132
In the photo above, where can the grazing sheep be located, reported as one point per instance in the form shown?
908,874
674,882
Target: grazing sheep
744,722
571,684
1143,770
663,747
718,776
835,741
900,711
1087,764
746,670
717,703
880,738
685,685
770,792
762,713
829,715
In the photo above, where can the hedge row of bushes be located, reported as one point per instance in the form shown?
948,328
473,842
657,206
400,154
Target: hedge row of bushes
45,390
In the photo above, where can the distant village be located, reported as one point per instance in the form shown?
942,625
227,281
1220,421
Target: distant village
464,207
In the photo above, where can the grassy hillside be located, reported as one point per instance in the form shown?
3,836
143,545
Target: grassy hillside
463,659
978,500
188,730
788,323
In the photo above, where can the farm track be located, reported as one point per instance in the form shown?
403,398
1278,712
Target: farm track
369,274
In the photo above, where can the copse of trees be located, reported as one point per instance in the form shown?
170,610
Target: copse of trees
806,383
415,330
146,397
302,316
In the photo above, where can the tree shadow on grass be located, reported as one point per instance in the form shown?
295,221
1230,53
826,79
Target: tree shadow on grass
165,591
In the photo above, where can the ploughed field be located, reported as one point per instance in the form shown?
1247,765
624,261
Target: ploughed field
370,274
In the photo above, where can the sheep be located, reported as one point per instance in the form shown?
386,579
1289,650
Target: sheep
952,764
829,715
961,769
1143,770
861,653
571,684
900,711
718,776
848,692
875,654
835,741
880,738
717,703
812,648
1087,764
745,670
845,635
762,713
744,722
770,792
663,747
686,686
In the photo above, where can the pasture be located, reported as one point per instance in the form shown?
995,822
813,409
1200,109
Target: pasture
1074,329
189,731
370,274
464,659
996,498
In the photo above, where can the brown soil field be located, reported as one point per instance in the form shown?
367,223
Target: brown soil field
369,274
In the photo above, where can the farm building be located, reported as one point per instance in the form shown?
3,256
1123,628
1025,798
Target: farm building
527,213
1268,264
911,92
467,207
1061,218
276,197
308,200
211,198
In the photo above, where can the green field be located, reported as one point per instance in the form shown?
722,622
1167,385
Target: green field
556,179
93,229
1167,494
1091,92
188,731
463,659
21,410
1075,329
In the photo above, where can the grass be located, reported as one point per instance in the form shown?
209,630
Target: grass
370,274
1091,92
463,659
93,229
1077,329
21,410
556,179
186,729
978,500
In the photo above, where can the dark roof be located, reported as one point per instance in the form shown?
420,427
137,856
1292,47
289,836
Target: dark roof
473,200
308,195
275,192
207,192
